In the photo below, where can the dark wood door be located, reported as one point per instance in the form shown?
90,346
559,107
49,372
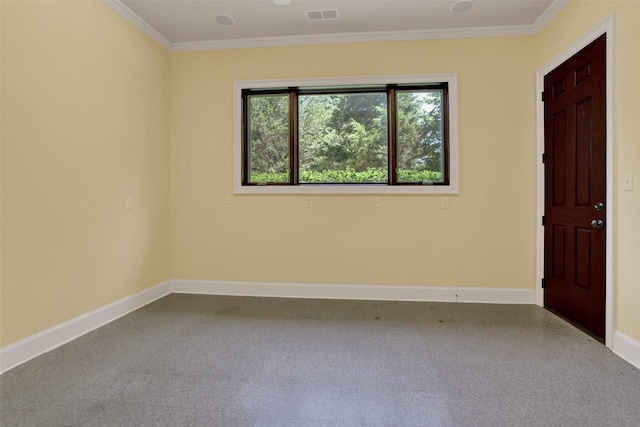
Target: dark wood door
575,187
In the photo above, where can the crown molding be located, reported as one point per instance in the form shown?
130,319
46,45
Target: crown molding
549,13
375,36
142,25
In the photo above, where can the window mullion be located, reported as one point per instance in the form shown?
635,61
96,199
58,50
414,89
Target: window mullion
391,129
294,178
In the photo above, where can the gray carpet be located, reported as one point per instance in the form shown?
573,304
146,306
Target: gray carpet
194,360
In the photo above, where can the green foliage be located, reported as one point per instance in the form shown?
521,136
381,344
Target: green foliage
350,176
343,137
419,130
338,132
269,134
408,175
269,177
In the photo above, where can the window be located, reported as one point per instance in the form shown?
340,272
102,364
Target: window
347,135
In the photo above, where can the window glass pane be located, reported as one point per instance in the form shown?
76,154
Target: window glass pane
268,138
419,131
343,138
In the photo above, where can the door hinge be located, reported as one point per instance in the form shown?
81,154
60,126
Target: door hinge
543,158
543,284
542,219
543,96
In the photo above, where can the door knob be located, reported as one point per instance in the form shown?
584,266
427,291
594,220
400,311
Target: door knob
597,223
599,206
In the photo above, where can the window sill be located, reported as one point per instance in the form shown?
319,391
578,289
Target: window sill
347,189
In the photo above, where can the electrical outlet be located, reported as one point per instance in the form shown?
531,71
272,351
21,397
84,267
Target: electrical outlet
378,202
444,203
181,165
627,182
308,203
129,203
227,202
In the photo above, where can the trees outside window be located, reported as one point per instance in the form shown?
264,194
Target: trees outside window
343,138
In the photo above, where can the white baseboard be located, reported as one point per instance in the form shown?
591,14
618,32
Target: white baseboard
35,345
627,348
357,292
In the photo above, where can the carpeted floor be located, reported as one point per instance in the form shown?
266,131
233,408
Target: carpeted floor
195,360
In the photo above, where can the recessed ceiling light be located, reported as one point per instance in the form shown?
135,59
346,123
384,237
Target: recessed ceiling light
462,6
281,2
224,20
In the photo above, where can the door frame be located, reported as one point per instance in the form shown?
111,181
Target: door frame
605,27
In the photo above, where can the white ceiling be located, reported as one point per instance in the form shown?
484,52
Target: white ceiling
190,24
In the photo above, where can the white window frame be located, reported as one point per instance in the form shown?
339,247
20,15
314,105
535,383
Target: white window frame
451,188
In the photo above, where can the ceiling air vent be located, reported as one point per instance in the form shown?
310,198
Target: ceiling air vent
322,15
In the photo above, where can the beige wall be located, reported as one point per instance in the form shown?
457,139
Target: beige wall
485,238
574,21
84,125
